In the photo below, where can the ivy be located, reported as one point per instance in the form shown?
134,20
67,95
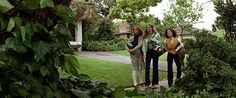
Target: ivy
31,51
5,6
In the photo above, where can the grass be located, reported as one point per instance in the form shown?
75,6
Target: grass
120,52
126,53
116,74
163,57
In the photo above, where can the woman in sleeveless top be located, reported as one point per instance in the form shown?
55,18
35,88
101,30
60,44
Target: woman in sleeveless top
172,45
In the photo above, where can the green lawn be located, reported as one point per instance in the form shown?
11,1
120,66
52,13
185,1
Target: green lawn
116,74
163,57
126,53
120,52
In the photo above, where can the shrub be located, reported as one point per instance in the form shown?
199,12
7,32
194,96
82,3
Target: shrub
112,45
210,67
84,87
34,43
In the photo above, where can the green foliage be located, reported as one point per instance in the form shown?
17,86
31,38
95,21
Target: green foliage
130,9
110,45
183,13
84,87
210,69
5,6
34,43
143,20
100,30
226,9
46,3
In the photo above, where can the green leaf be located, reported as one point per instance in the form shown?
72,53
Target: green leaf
31,4
5,6
66,13
29,34
81,94
44,71
11,25
119,92
22,92
18,21
3,23
49,22
32,66
40,49
71,64
15,45
23,33
46,3
37,27
3,55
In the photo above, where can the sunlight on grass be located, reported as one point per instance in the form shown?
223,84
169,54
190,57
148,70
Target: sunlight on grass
116,74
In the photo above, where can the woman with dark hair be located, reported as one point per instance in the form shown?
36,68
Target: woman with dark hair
172,45
134,47
150,47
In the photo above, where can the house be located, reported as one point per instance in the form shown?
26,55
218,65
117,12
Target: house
77,42
124,30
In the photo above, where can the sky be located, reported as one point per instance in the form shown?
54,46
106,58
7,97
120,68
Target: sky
209,15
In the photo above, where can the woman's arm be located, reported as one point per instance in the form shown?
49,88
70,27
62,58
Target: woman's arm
129,40
139,45
180,45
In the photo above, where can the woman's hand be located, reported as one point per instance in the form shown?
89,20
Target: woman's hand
131,50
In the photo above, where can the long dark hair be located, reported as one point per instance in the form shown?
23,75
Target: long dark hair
140,32
173,33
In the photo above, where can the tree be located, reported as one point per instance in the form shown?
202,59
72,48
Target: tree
227,19
34,47
92,14
131,9
104,5
35,43
92,9
183,13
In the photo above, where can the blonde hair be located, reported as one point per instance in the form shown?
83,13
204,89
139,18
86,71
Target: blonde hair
146,32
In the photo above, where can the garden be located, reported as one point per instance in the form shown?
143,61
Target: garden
37,60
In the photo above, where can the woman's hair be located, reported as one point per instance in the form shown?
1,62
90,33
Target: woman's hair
140,32
146,32
173,33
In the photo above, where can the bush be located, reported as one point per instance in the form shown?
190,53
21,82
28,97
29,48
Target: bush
34,43
210,67
84,87
98,30
112,45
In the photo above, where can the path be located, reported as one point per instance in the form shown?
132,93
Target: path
118,58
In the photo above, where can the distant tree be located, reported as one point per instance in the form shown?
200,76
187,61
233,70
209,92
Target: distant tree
130,10
92,14
182,13
227,18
